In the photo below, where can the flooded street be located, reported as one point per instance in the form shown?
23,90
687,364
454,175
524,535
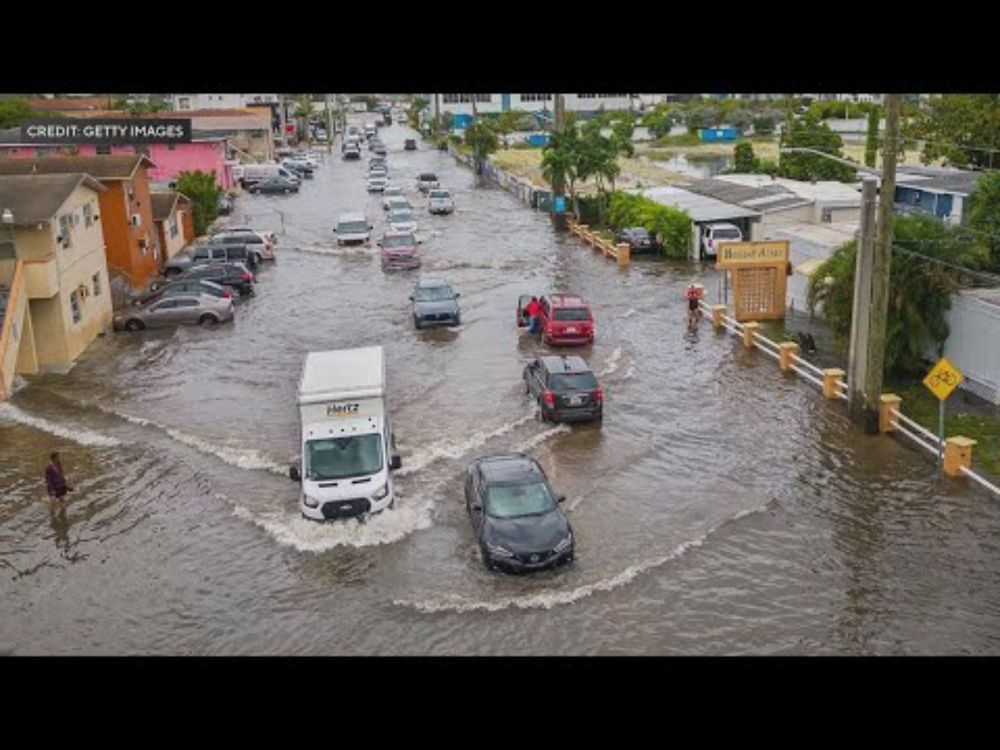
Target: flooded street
720,509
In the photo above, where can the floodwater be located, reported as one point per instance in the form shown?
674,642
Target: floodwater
721,508
701,166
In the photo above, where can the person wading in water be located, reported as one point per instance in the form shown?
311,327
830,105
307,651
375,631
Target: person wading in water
55,480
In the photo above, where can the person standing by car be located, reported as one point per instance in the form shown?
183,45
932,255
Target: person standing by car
55,480
533,309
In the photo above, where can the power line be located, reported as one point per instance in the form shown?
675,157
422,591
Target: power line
995,280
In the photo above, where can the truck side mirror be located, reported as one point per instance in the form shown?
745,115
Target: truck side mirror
293,474
561,499
395,463
457,295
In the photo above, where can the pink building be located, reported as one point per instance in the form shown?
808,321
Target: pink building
206,153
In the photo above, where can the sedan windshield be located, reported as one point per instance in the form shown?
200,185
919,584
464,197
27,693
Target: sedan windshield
515,500
352,227
433,294
577,381
340,458
401,215
571,313
399,240
393,191
440,194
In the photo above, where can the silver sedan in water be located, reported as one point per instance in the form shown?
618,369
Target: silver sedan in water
201,309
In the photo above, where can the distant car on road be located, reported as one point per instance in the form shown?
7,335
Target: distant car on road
276,184
352,153
377,182
440,201
399,251
202,309
435,303
401,220
426,181
353,229
515,514
410,144
564,320
391,191
566,389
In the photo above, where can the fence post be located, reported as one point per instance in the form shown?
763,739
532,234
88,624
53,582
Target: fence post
886,403
717,312
830,377
623,254
957,453
787,350
749,331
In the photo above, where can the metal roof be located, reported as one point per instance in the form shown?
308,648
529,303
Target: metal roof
956,181
163,204
700,208
100,167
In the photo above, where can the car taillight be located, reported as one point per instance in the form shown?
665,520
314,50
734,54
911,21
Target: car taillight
599,395
227,293
549,398
247,277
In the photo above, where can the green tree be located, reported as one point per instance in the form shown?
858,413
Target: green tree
622,130
743,158
810,133
418,105
919,292
871,140
204,193
960,128
983,215
560,158
763,124
14,112
483,142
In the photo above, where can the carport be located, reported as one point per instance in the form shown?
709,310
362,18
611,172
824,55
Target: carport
703,210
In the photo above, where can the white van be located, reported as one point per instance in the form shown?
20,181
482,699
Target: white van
353,229
713,234
248,173
348,449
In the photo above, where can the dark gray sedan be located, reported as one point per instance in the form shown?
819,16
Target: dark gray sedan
435,304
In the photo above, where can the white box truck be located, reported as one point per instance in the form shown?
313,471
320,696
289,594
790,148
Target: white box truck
348,449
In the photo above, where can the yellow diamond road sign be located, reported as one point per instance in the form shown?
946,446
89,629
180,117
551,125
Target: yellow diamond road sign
943,379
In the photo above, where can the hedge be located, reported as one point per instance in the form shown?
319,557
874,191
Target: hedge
671,225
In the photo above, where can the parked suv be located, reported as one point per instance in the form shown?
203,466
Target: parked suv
713,234
439,201
435,304
515,514
426,181
262,242
203,309
276,184
353,229
236,276
566,389
565,319
185,287
213,253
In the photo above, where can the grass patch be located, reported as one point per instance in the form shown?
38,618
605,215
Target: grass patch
658,154
976,422
684,139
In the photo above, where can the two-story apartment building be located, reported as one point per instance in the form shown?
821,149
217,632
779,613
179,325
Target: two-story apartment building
171,214
126,212
53,275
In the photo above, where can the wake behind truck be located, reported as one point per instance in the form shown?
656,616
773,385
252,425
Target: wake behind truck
348,449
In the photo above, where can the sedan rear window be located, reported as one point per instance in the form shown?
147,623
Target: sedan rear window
399,240
571,313
428,177
440,194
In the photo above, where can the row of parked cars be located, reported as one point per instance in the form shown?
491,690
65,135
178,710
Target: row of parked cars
202,282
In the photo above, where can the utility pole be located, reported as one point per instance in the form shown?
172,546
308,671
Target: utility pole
559,184
881,263
437,114
281,114
329,126
860,313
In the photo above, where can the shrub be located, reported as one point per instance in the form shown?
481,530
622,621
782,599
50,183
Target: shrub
204,193
671,226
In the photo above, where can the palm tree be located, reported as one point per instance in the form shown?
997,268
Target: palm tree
483,142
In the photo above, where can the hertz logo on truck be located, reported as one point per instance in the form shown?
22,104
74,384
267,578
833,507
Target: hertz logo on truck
342,410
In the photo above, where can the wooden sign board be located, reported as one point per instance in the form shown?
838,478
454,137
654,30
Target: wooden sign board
759,277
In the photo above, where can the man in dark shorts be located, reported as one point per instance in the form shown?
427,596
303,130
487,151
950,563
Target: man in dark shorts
693,305
55,480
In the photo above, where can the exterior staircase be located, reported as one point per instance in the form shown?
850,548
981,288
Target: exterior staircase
17,342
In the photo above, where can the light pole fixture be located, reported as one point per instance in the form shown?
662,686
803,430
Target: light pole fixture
8,217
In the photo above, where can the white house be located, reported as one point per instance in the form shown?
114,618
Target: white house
461,104
182,102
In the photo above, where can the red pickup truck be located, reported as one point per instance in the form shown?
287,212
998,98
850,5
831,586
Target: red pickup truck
565,319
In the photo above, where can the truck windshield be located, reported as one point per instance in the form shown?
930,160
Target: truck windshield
340,458
352,227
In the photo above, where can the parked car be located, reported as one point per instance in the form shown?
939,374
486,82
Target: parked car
263,242
399,251
274,185
426,181
184,286
248,174
353,229
202,309
410,144
225,206
714,234
566,389
377,182
637,238
211,254
515,514
440,201
391,191
304,159
236,276
256,244
401,220
435,304
298,168
565,319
